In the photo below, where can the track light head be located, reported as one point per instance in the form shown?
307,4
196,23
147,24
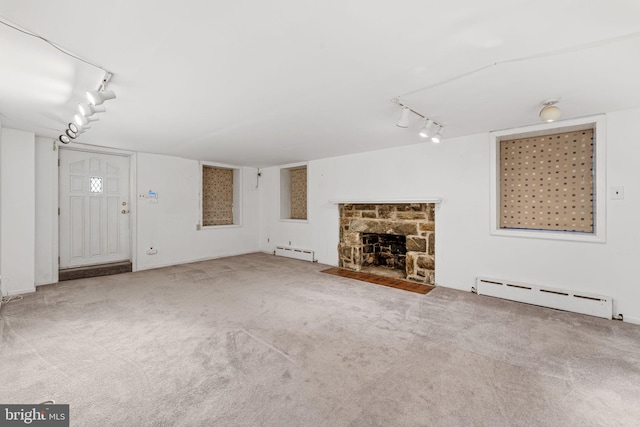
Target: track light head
73,127
89,110
437,137
404,118
71,134
427,129
64,139
98,97
83,121
550,112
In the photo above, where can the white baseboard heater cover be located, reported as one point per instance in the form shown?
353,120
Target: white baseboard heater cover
289,252
561,299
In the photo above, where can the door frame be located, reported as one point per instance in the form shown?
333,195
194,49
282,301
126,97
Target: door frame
133,198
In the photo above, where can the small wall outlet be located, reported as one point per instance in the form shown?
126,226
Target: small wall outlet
152,251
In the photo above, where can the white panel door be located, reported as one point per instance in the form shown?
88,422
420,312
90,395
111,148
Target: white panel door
94,208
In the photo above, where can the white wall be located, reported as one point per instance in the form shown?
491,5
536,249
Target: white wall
296,233
2,288
170,225
458,171
46,214
17,206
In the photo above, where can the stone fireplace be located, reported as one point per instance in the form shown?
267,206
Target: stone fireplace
391,239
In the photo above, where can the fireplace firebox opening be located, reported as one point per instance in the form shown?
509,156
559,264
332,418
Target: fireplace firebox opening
388,251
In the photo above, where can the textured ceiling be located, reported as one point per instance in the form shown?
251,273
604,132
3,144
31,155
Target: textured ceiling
264,83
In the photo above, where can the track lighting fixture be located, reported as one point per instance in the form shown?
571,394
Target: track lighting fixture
437,137
98,97
83,121
89,110
427,130
404,118
550,112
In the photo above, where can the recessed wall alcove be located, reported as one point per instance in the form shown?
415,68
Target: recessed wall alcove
391,239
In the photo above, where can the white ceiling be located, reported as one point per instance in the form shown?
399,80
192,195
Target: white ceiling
272,82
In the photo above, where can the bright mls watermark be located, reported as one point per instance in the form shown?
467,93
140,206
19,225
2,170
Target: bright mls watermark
34,415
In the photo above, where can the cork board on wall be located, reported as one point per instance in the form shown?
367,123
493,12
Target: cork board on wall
217,196
546,182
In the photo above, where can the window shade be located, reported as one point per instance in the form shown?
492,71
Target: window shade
217,196
299,193
546,182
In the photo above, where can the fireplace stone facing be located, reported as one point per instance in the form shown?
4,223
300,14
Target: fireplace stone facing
361,226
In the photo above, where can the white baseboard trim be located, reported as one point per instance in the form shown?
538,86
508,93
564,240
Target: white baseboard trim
189,261
45,284
21,291
634,320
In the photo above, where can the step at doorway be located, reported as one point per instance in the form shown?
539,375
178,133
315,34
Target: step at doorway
95,270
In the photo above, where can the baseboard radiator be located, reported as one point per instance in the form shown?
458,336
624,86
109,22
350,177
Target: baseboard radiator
561,299
289,252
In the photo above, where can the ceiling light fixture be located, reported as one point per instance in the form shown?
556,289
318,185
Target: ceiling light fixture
96,97
427,129
83,121
550,112
81,129
429,124
404,118
437,137
89,110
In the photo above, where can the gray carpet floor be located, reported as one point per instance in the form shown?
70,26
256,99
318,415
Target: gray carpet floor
257,340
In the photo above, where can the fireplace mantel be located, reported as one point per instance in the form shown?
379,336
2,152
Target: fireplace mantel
435,200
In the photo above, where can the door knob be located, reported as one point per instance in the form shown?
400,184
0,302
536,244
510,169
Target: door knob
124,211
